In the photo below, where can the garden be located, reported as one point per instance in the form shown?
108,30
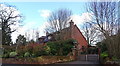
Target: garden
33,53
105,58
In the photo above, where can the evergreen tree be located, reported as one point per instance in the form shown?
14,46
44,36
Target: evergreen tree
21,40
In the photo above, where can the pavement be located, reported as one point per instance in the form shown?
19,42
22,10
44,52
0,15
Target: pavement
91,61
81,62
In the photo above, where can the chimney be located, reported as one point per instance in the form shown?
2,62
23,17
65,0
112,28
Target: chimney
71,28
71,23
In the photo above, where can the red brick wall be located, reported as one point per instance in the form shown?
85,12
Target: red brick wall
77,35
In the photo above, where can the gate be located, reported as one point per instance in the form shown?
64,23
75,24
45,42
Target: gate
88,57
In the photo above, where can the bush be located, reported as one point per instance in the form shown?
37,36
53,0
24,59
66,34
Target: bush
6,55
7,49
13,54
21,51
114,58
104,54
60,47
103,57
27,54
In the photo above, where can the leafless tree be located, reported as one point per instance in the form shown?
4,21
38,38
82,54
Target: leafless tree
9,16
58,20
37,34
90,33
106,21
27,35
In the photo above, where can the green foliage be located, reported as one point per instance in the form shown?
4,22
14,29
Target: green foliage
6,55
60,47
36,50
7,49
27,54
102,46
104,54
12,54
114,58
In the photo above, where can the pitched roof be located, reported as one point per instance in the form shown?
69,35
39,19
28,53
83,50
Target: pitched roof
80,32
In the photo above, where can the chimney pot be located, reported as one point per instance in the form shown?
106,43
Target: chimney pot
71,23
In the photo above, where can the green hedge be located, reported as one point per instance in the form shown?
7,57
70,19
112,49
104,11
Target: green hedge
59,48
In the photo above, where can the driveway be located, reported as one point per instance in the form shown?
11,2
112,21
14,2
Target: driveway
85,60
81,62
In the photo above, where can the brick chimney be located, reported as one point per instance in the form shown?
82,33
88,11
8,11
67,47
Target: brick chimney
71,23
71,28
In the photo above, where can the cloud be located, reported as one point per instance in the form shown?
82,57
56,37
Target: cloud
42,28
44,13
80,19
27,27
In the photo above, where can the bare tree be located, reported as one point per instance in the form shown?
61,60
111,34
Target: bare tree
90,33
58,20
106,21
9,16
27,35
37,35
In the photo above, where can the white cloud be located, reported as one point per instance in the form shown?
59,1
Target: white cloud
23,29
44,13
29,26
42,28
80,19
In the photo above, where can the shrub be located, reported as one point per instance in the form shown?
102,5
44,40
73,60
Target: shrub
27,54
103,57
114,58
104,54
35,49
13,54
7,50
6,55
60,47
21,51
38,50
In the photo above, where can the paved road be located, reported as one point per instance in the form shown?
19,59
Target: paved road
92,60
81,62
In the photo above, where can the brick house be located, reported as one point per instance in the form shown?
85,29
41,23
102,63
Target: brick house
70,32
77,35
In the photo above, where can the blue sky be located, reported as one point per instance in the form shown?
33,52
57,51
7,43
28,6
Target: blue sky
31,9
36,14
